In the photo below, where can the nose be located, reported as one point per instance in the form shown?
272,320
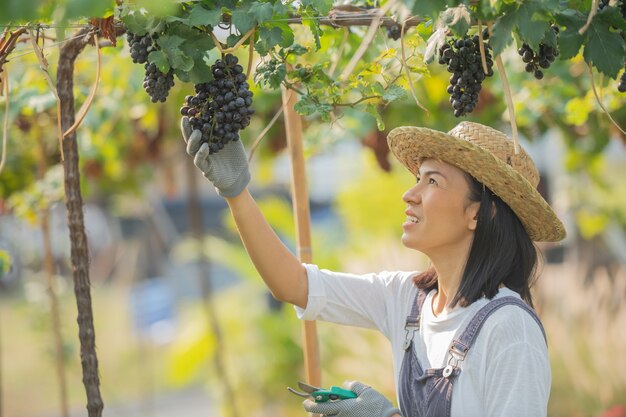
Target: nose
412,195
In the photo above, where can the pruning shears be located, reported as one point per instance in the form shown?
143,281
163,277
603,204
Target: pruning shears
321,395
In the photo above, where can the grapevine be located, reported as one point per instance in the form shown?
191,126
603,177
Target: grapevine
541,59
222,107
463,60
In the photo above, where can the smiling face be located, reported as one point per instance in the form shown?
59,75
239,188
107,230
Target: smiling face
440,217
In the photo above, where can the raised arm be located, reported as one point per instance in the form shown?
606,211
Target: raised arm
282,272
227,169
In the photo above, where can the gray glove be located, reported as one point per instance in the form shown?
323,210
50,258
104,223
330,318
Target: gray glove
226,169
369,403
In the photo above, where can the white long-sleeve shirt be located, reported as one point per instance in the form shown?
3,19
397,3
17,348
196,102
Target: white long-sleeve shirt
505,373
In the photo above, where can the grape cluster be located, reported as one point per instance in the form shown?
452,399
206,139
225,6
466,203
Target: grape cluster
221,107
462,57
140,46
156,83
394,32
536,60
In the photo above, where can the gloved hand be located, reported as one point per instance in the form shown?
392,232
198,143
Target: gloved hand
226,169
369,403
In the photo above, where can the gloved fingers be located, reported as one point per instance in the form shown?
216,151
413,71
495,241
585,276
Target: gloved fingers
194,141
185,128
200,160
329,408
355,386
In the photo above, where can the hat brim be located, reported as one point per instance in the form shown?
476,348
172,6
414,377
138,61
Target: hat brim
411,145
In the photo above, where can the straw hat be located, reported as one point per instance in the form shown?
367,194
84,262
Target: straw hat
489,156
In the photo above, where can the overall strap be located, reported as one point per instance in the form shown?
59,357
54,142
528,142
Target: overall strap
460,346
412,323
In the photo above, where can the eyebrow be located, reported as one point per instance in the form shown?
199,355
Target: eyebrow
431,172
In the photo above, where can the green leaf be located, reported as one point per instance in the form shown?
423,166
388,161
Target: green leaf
531,24
305,106
280,9
373,110
159,58
200,16
180,60
570,40
136,23
243,19
262,11
315,30
167,42
612,16
200,73
394,92
75,9
604,49
270,37
502,30
322,7
428,8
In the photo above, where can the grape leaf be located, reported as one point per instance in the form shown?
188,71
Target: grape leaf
200,16
135,22
613,17
286,34
270,37
531,25
316,31
305,106
262,11
373,110
180,60
200,73
159,58
394,92
168,42
604,49
321,6
242,19
502,30
430,8
570,40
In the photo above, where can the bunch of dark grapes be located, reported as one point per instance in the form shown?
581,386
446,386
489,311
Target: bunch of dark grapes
156,83
222,107
140,46
462,57
536,60
394,31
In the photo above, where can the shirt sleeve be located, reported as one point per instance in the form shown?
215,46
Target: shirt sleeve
367,300
518,376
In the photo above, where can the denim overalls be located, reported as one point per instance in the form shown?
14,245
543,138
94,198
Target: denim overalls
428,393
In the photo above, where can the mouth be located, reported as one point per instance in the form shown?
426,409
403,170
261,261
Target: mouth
412,219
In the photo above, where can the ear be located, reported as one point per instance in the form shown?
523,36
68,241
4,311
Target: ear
472,215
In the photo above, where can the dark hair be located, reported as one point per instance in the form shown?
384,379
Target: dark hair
501,252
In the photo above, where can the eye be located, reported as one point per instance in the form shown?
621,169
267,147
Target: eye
417,179
432,181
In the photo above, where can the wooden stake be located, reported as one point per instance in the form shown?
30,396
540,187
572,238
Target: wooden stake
300,200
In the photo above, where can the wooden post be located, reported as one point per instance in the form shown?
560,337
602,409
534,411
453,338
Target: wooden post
300,201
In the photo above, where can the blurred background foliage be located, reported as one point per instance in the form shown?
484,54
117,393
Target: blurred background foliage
132,160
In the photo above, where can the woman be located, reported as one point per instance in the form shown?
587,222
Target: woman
464,337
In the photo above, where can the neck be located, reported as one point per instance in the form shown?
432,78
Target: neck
449,267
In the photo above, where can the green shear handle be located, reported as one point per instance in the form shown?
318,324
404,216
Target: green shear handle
321,395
